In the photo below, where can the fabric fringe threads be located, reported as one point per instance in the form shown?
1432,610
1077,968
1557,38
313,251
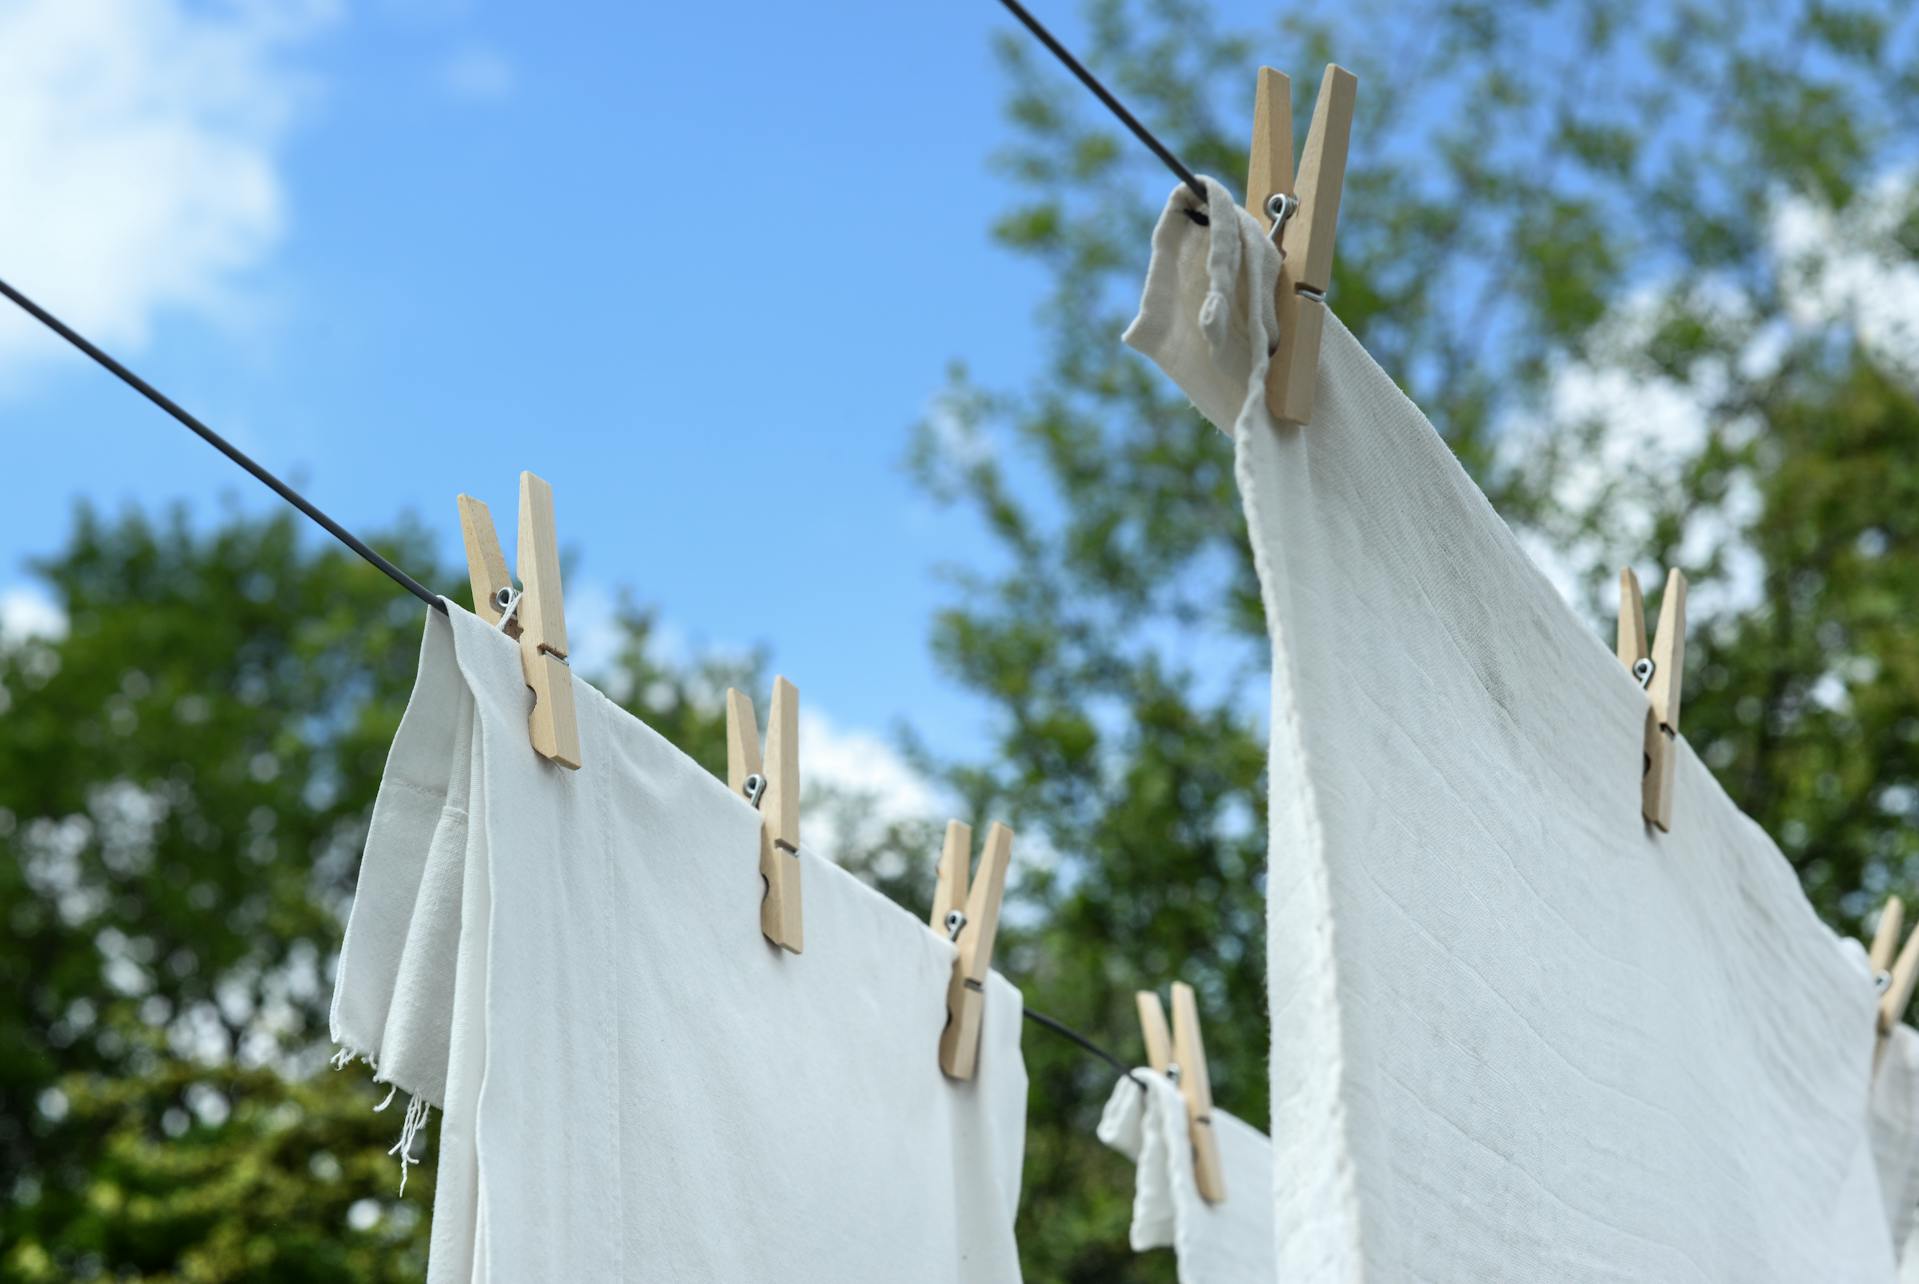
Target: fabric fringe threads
417,1110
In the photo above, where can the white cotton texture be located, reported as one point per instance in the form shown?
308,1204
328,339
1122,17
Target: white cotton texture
1895,1138
1518,1034
633,1084
1230,1242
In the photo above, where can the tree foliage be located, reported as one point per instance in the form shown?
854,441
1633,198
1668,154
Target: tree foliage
1641,264
185,780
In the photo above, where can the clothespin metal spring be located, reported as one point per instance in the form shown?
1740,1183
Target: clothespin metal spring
1280,207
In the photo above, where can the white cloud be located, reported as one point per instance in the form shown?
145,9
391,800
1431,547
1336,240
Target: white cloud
139,145
476,74
1835,268
28,613
956,433
856,764
861,762
593,632
1650,425
1846,266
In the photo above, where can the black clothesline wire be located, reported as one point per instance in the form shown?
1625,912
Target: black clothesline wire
1069,1033
358,545
1114,105
222,445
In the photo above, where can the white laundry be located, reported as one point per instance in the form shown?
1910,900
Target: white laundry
1895,1137
634,1083
1518,1034
1225,1243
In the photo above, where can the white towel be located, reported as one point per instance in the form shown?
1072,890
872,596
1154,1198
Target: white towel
635,1084
1518,1035
1225,1243
1895,1133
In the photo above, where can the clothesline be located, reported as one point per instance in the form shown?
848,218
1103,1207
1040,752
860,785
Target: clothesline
1114,105
222,445
359,546
432,599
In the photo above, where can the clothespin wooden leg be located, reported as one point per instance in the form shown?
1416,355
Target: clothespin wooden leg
949,894
1306,239
743,748
1898,995
775,790
1661,672
485,563
1195,1084
1153,1029
1896,975
1885,937
781,910
1631,644
542,618
966,991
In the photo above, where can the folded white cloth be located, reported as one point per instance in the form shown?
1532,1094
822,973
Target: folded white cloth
1224,1243
634,1084
1895,1135
1518,1034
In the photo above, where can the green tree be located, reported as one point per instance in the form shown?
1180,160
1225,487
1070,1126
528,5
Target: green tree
1634,261
185,779
1563,216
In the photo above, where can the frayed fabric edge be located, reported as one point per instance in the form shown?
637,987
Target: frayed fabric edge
418,1110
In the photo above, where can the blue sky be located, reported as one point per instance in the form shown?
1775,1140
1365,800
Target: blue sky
699,266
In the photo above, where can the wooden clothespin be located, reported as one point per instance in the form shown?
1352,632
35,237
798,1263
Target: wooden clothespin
970,919
1902,973
1304,219
1885,936
775,789
539,613
1181,1056
1660,672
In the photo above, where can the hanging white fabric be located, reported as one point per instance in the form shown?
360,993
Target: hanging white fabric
1517,1034
1226,1243
634,1085
1895,1140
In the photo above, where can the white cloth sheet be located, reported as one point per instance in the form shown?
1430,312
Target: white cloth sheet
634,1084
1895,1139
1225,1243
1518,1034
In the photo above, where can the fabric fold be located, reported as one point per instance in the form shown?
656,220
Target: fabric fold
1895,1137
1225,1243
